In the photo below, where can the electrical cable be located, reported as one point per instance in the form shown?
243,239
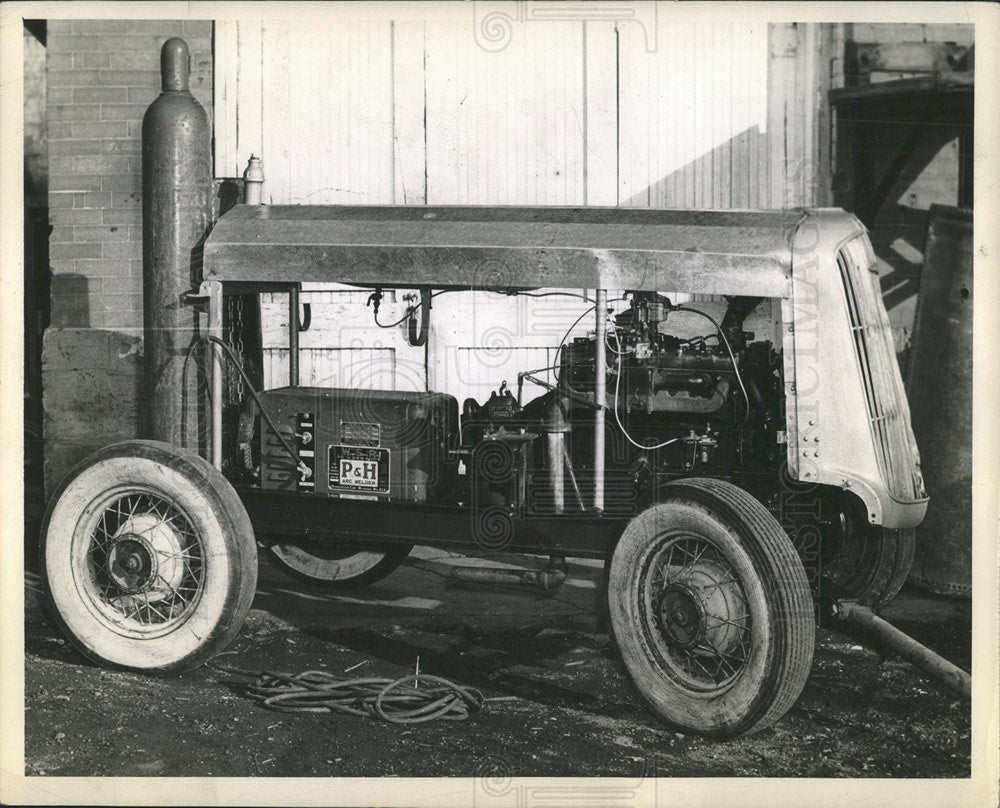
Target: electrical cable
410,699
576,322
303,468
574,325
415,338
516,293
607,345
618,418
567,333
410,311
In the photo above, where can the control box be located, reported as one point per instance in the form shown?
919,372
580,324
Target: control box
361,444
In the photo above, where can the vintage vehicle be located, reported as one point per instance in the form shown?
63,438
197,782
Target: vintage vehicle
736,471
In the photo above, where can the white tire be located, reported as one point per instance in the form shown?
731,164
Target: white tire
148,558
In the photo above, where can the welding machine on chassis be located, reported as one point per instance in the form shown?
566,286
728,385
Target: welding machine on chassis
733,470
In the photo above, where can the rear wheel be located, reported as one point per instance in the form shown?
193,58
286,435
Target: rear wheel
148,558
335,567
711,610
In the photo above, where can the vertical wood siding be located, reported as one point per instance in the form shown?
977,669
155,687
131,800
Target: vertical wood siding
507,127
570,112
693,117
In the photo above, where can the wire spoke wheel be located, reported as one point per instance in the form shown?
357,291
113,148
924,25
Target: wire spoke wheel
711,610
700,624
148,558
145,561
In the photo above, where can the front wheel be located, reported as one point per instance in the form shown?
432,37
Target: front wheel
711,610
148,558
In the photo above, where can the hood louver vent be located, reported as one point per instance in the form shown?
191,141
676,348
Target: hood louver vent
888,412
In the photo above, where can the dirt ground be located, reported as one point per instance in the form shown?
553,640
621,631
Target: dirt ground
558,701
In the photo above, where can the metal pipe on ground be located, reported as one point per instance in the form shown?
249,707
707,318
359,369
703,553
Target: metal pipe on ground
555,427
920,656
548,578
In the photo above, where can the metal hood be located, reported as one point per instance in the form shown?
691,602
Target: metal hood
711,252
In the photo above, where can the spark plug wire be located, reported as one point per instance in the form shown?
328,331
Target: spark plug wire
618,418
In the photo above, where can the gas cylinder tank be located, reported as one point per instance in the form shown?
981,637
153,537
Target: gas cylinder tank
176,209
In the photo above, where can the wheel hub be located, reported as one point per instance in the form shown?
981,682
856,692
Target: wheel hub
701,609
146,557
131,563
681,616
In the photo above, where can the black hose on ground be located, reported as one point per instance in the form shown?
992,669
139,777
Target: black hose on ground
411,699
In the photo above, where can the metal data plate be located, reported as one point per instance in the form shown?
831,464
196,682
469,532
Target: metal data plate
359,468
357,433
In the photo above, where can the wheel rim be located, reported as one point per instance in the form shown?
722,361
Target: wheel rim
850,560
696,616
326,562
139,562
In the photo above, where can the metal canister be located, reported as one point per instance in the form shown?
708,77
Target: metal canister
176,210
939,388
555,427
253,181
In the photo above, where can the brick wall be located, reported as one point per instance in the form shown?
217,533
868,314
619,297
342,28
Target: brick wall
101,77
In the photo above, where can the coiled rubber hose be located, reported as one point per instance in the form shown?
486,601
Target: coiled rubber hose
407,700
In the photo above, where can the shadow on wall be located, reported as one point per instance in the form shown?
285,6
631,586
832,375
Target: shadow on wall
70,298
36,319
228,194
734,174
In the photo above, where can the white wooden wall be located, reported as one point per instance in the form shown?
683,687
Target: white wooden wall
431,111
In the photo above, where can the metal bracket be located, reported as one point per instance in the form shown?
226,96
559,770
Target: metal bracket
193,297
211,292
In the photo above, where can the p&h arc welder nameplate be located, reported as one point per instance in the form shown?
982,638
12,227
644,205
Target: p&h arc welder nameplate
359,468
